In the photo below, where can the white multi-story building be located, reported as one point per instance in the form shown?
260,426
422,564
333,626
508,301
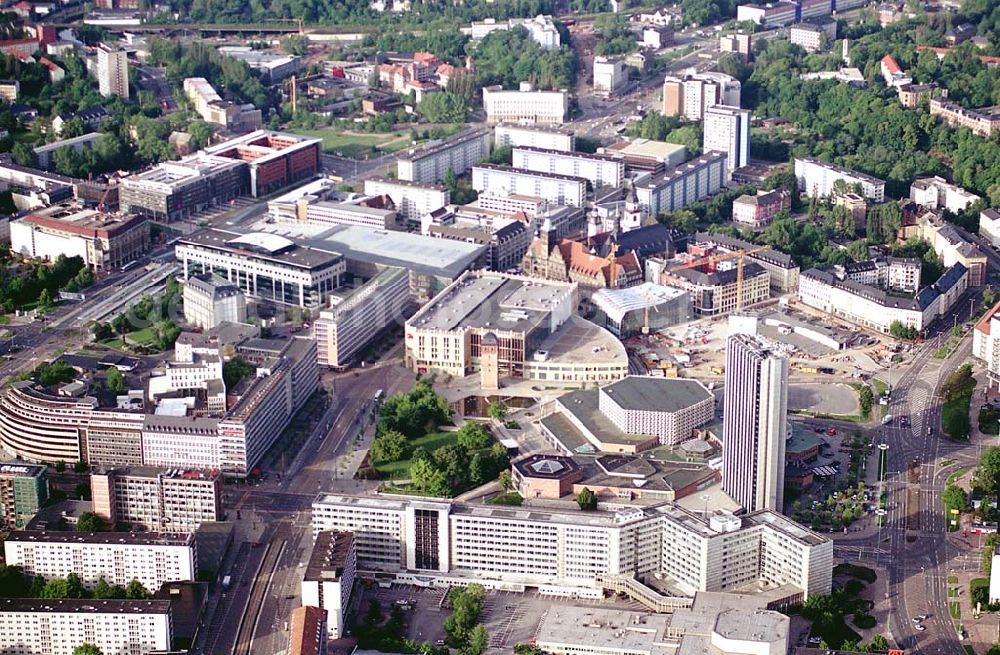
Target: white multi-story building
986,344
112,71
457,154
30,626
610,75
210,300
670,409
412,200
876,309
813,34
570,552
693,93
892,273
556,188
727,129
525,106
158,500
599,170
264,265
935,192
329,577
541,28
213,109
684,185
351,323
816,178
534,137
755,423
152,558
989,226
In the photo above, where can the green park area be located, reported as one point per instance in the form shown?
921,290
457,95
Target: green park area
828,613
355,145
416,456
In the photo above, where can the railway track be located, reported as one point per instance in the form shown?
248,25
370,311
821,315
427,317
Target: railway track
258,592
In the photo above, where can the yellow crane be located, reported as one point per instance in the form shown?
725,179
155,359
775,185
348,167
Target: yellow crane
740,255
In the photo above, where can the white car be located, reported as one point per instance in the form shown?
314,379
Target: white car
921,628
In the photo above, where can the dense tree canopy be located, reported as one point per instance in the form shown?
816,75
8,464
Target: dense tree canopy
511,57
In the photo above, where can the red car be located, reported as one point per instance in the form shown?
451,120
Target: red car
832,432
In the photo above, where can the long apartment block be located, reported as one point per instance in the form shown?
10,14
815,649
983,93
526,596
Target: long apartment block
569,552
599,170
152,558
458,154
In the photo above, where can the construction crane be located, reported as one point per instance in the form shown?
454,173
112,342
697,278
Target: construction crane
740,255
104,197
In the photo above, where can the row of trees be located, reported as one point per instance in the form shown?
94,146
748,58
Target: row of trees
461,626
427,15
14,583
38,283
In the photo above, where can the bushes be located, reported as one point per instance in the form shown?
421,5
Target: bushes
864,621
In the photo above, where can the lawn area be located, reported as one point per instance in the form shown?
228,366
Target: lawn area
957,474
429,442
955,609
955,413
952,579
879,387
351,145
989,420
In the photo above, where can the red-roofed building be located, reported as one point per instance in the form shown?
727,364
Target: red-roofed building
56,73
23,49
570,261
446,74
307,632
892,73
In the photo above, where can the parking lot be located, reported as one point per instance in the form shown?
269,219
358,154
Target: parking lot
510,617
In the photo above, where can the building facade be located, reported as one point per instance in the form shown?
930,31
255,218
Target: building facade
412,200
754,423
210,300
670,409
935,192
151,558
684,185
24,488
525,106
983,122
31,626
112,71
566,552
263,265
344,329
158,500
556,188
329,578
727,129
458,154
104,241
692,94
599,170
534,137
816,179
